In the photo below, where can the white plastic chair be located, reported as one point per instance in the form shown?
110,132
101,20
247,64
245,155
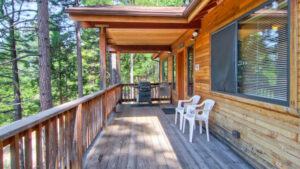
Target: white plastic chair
193,114
181,110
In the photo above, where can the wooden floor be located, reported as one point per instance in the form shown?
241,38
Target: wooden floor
145,137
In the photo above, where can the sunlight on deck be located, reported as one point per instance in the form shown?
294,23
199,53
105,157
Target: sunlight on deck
145,137
129,140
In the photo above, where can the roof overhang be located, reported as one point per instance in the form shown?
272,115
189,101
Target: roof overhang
153,28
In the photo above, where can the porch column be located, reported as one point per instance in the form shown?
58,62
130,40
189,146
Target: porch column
118,66
102,45
113,65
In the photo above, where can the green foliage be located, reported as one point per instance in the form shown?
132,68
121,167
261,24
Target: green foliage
63,56
145,69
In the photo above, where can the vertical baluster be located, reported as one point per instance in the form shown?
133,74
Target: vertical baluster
68,140
28,149
88,120
105,108
48,144
84,129
101,111
14,153
39,147
54,143
61,141
1,155
79,134
91,111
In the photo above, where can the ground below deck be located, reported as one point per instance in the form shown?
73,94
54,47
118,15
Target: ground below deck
145,137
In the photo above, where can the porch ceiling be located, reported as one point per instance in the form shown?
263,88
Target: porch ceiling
143,36
154,28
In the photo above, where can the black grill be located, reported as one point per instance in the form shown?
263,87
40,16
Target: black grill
144,89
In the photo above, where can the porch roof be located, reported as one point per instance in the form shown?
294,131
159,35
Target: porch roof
137,29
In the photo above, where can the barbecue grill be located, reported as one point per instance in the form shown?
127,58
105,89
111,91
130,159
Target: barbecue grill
144,92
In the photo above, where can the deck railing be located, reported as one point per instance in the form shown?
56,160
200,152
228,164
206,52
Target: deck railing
58,137
129,92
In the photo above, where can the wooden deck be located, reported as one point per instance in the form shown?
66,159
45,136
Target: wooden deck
144,137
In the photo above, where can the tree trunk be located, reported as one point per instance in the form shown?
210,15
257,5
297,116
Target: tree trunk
131,68
44,58
15,70
16,84
119,67
79,57
60,83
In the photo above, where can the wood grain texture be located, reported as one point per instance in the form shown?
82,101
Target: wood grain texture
269,133
68,132
14,153
144,137
28,149
143,36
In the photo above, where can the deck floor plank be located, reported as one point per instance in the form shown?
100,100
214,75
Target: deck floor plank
146,138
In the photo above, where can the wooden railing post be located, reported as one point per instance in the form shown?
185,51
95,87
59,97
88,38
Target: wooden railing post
79,134
1,154
39,147
14,154
63,128
28,150
48,144
105,108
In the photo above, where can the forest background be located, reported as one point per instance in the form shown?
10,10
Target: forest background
19,55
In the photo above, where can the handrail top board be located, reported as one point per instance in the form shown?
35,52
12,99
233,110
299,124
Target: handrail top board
19,126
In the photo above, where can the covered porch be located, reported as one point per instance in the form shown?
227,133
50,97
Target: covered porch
145,137
102,131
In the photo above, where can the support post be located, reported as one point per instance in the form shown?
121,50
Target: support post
102,45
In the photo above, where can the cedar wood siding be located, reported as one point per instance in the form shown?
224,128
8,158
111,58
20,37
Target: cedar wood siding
270,134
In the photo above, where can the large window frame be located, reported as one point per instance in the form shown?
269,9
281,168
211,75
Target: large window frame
268,100
190,73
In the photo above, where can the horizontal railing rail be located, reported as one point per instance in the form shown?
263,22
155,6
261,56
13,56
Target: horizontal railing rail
130,93
58,136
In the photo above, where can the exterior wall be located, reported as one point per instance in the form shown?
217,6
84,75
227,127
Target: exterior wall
270,134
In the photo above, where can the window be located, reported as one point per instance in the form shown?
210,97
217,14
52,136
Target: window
165,70
190,70
174,72
257,64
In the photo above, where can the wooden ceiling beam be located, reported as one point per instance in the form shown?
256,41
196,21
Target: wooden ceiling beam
137,25
129,19
140,48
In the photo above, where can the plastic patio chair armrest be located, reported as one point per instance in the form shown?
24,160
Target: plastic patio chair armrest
182,101
199,105
201,110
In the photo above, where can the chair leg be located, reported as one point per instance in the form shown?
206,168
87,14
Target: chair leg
176,116
184,120
200,126
207,130
181,119
192,124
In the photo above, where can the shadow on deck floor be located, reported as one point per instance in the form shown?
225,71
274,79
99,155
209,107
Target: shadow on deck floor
144,137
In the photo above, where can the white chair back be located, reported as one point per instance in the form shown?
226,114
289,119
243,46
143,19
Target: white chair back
195,99
208,105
